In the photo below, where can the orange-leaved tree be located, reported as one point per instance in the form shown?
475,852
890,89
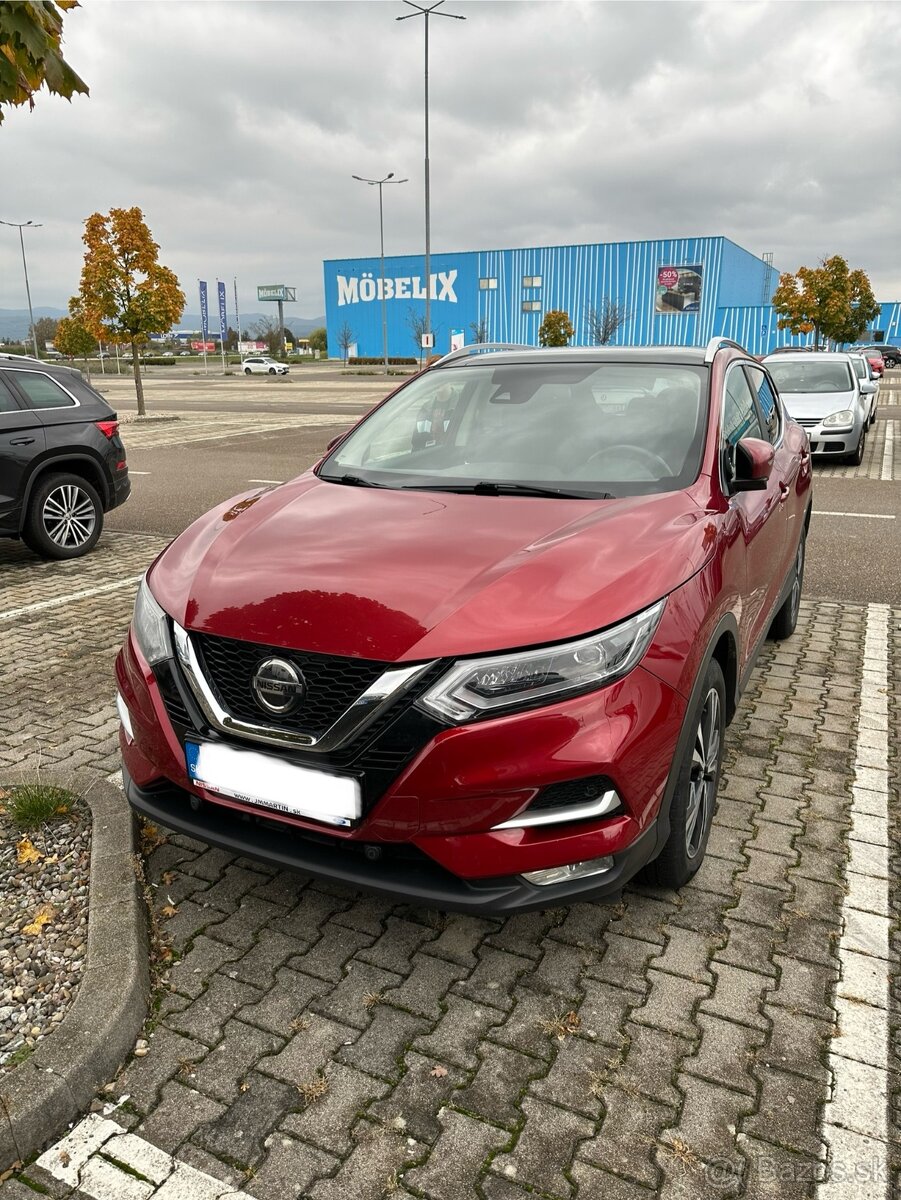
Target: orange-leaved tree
556,329
72,338
125,295
829,300
31,33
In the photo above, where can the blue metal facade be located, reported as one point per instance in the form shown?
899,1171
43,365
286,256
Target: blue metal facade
675,291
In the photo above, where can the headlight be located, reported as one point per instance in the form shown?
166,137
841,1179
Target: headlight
150,627
845,417
484,685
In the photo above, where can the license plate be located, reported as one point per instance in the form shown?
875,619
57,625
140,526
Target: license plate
268,782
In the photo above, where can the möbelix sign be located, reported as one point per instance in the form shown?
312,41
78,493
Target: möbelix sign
366,287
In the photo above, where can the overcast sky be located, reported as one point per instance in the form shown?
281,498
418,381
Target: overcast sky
236,127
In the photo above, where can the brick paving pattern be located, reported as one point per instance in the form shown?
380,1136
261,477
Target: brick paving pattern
322,1043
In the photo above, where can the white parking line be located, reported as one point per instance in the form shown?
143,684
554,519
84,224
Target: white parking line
131,472
869,516
57,601
855,1120
888,453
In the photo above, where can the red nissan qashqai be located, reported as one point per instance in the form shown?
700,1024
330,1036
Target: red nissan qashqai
483,654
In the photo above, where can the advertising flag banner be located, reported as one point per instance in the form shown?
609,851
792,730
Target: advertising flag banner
678,289
204,311
223,322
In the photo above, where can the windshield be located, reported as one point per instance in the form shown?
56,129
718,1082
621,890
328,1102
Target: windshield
585,429
811,376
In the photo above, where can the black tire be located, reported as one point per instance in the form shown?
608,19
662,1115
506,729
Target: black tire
694,800
856,458
247,371
64,517
891,362
786,619
272,370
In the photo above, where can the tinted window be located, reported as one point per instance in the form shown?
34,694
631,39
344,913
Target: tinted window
41,391
769,405
7,403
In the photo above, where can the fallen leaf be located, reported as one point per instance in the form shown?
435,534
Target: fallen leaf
4,794
168,876
168,910
26,853
65,1157
438,1072
42,917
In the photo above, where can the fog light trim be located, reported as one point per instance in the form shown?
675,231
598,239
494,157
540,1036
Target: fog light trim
579,870
601,806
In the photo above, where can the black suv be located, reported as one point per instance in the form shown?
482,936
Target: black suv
62,462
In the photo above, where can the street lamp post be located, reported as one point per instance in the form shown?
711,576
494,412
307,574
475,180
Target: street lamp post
389,178
426,12
20,226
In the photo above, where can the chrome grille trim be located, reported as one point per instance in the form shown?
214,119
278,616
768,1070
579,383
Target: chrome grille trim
598,807
364,710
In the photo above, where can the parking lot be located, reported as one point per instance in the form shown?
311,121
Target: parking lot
316,1041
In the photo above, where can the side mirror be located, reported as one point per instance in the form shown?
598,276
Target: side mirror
335,440
753,465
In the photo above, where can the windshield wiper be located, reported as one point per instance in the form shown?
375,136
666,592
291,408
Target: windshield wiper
488,487
352,480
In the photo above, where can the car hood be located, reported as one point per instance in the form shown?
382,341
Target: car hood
818,404
407,575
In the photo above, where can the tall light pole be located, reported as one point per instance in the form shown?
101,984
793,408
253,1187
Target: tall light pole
20,226
426,11
389,178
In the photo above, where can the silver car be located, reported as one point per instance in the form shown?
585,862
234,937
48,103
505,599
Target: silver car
822,393
867,381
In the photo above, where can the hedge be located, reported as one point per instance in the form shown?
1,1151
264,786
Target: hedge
378,362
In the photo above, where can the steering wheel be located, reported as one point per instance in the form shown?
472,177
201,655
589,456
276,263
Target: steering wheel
644,458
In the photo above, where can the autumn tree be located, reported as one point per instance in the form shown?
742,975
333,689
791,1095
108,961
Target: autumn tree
125,294
30,52
830,300
556,329
268,330
72,337
44,331
603,322
346,338
318,340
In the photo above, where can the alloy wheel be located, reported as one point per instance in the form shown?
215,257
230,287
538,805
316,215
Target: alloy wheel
702,780
796,582
68,516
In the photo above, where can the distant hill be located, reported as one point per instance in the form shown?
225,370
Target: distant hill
14,321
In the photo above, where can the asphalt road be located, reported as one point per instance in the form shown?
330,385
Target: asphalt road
854,551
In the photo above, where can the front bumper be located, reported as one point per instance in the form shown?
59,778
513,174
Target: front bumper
429,830
829,440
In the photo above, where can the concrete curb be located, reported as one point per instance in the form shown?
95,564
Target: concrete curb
39,1098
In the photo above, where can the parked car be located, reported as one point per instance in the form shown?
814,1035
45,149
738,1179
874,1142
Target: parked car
483,654
62,462
822,394
868,382
261,364
876,361
891,355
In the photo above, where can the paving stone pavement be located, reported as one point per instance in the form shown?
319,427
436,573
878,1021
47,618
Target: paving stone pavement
881,456
318,1042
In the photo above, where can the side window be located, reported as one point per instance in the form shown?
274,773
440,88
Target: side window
768,401
41,391
740,419
7,403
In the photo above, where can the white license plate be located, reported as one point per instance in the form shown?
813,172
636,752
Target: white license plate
268,782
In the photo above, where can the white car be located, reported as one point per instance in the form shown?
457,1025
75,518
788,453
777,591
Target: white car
867,381
822,392
262,364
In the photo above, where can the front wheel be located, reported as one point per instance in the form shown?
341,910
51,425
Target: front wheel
64,517
247,371
856,458
785,620
694,800
272,370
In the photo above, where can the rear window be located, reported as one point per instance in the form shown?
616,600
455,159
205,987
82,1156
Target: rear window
40,391
793,377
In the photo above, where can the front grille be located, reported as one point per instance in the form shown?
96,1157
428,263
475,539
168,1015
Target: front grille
333,682
808,422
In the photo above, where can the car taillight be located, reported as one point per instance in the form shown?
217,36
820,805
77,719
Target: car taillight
108,428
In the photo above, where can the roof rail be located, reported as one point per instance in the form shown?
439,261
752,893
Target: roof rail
717,343
477,348
5,354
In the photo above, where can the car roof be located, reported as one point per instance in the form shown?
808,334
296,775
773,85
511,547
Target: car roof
25,362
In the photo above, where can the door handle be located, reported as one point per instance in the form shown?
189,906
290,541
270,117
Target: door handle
24,441
784,490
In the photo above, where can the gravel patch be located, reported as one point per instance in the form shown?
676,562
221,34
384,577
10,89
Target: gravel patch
43,926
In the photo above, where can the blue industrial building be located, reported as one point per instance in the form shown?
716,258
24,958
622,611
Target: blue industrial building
676,291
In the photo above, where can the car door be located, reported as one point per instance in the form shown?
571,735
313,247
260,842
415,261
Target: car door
22,438
760,513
